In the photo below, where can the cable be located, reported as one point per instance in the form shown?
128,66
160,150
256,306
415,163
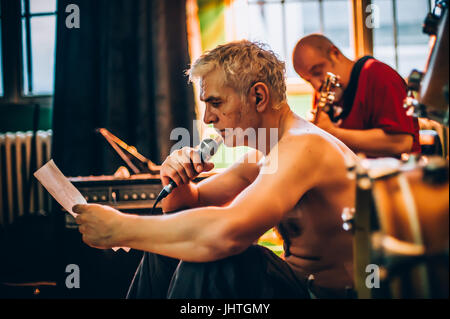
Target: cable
161,195
156,202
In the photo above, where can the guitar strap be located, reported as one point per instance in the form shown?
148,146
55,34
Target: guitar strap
350,91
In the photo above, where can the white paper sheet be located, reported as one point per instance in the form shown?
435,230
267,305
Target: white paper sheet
62,189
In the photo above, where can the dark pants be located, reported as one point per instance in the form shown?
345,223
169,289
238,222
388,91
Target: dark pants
255,273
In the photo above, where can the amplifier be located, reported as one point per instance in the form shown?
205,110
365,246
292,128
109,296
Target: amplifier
135,192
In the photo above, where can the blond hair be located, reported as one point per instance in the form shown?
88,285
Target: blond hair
243,64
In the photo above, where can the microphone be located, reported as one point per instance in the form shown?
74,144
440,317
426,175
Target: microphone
208,147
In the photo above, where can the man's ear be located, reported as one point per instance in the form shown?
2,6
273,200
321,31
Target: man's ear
334,54
259,96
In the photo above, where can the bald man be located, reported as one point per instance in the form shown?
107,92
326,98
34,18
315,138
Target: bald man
373,120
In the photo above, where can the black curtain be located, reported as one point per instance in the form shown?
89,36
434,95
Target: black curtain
123,69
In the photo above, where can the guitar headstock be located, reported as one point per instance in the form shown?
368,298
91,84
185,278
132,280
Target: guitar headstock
327,97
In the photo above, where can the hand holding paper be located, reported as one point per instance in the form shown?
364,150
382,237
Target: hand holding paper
101,226
61,189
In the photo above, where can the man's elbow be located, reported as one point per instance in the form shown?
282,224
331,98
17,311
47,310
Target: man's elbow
219,249
228,248
401,144
227,243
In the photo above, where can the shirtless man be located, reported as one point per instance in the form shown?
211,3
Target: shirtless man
243,86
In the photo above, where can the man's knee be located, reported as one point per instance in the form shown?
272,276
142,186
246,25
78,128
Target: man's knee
152,277
251,274
248,259
216,279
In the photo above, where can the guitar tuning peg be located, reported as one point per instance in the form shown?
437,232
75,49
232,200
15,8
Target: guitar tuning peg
347,216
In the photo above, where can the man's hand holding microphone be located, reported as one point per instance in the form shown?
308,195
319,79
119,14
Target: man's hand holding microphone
185,164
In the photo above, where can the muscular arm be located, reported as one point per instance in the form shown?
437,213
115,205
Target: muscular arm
216,190
211,233
374,142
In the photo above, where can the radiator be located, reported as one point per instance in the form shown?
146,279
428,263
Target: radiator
17,197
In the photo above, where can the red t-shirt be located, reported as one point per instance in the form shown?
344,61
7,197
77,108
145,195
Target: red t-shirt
378,103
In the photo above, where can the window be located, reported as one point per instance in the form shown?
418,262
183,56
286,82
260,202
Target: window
27,51
281,23
38,46
398,39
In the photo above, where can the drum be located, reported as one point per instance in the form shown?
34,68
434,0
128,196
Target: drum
401,225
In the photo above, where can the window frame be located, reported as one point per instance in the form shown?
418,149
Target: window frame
296,85
12,55
395,29
361,36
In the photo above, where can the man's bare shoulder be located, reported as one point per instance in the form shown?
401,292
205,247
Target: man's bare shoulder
315,138
310,149
300,140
